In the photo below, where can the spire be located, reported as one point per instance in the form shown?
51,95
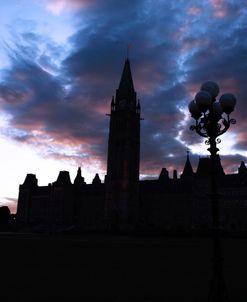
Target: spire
79,180
126,86
242,169
164,175
96,180
188,171
79,172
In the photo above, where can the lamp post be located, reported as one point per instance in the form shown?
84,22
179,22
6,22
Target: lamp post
212,119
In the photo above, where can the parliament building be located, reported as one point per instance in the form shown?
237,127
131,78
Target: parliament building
123,201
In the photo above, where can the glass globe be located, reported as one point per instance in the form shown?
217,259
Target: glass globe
228,102
194,110
211,87
203,100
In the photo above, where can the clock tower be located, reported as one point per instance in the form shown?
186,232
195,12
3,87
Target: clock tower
122,179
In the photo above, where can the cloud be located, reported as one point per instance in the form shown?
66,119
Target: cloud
194,10
57,96
57,7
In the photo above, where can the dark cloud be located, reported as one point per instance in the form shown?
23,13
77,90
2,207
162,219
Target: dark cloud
176,46
38,101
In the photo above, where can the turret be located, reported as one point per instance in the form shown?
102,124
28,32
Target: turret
204,167
26,191
30,181
96,180
164,175
79,180
242,169
63,179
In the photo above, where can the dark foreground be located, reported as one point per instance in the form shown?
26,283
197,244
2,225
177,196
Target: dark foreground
111,268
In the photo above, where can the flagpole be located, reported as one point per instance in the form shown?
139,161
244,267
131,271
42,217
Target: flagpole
128,47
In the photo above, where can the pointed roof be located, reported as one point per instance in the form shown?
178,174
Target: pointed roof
30,180
242,168
164,175
63,179
126,83
204,167
79,180
96,179
188,171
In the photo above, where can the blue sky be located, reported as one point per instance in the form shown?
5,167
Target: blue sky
61,61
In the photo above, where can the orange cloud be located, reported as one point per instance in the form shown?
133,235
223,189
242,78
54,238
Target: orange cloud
182,31
219,8
189,44
192,89
194,11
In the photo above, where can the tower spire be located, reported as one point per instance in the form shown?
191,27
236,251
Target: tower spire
126,82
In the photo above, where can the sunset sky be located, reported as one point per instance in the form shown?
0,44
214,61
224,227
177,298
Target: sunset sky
61,62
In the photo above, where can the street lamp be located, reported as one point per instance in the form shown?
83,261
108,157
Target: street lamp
212,119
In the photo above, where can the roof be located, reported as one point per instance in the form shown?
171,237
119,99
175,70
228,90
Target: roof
188,171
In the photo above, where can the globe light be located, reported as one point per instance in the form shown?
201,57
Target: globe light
228,102
194,110
203,100
211,87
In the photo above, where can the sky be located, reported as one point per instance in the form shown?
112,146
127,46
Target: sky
61,62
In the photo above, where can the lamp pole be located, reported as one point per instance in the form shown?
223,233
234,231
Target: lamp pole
212,119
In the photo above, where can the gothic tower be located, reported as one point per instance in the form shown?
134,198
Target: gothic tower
122,179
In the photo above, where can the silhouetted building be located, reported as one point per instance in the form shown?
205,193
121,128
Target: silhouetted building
124,202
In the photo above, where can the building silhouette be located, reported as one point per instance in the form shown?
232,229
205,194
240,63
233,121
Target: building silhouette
122,201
